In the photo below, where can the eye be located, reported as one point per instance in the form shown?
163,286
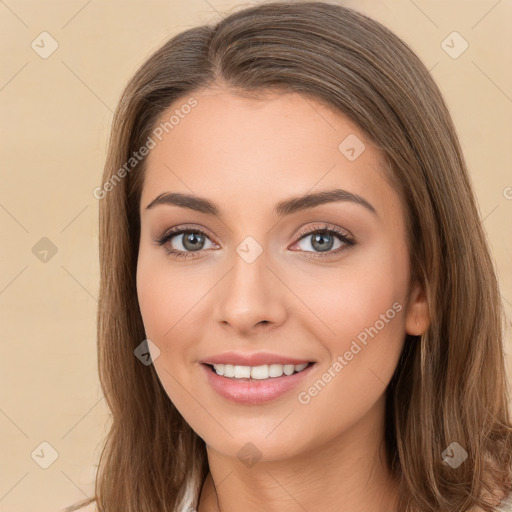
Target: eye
323,238
192,240
188,241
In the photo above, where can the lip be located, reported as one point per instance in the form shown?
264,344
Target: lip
256,359
254,391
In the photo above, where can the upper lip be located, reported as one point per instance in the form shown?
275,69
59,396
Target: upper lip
257,359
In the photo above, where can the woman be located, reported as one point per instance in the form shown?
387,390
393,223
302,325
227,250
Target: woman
288,233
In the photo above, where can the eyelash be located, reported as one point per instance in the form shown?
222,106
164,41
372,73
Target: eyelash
171,233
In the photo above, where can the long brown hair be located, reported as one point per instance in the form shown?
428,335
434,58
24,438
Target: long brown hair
450,384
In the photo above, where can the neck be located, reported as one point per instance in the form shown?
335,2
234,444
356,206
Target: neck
346,474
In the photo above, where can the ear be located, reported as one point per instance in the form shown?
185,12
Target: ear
417,317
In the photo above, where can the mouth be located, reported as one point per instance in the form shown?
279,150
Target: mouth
260,372
256,385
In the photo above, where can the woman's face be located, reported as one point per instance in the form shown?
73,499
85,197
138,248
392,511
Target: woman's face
255,287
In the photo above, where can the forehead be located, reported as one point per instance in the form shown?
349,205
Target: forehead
277,145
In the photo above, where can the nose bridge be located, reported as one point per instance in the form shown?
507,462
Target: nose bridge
250,294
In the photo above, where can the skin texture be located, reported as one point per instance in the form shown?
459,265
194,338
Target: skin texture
246,155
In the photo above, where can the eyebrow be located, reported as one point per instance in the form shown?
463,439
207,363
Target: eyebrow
283,208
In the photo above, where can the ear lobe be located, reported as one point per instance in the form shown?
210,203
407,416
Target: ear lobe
417,317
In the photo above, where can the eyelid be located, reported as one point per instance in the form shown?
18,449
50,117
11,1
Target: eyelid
345,237
178,230
324,227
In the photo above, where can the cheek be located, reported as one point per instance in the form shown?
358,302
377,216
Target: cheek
150,295
158,295
159,291
166,304
362,309
170,305
366,313
357,295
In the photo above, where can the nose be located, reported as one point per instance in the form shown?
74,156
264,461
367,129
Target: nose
250,297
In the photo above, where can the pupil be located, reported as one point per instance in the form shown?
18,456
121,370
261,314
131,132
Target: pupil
322,245
192,241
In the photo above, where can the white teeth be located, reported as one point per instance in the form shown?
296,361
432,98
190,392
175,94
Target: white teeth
275,370
288,369
257,372
242,372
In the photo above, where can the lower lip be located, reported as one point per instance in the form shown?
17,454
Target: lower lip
254,391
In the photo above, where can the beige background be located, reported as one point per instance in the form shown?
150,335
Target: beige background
56,114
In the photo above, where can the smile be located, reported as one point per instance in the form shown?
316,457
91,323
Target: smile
261,372
255,385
